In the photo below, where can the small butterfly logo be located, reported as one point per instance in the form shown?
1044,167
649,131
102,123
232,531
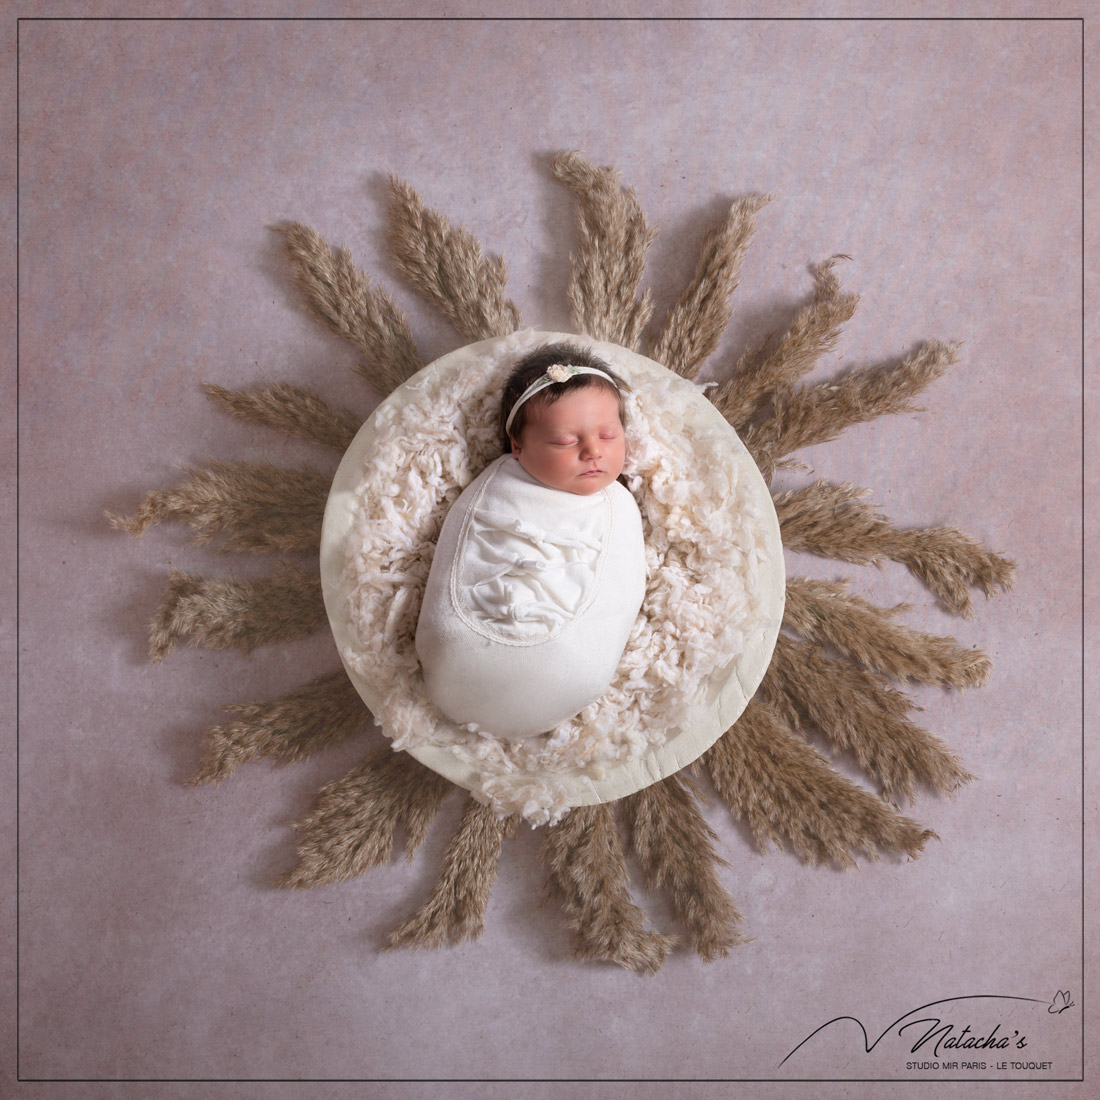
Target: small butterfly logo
1060,1003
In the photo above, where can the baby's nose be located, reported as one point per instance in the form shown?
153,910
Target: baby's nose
591,448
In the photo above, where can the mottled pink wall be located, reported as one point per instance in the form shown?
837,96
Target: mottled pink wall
943,157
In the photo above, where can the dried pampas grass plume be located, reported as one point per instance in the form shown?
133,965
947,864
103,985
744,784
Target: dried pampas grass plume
353,821
291,409
786,790
834,522
341,297
228,613
264,508
838,668
773,367
816,414
858,712
828,613
588,876
700,316
448,267
606,270
675,848
456,909
290,728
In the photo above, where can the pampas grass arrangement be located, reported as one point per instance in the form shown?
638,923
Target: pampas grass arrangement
837,672
828,613
857,711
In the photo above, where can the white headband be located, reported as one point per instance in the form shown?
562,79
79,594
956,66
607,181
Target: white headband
560,372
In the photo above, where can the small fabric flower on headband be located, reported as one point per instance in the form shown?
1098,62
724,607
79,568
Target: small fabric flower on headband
560,373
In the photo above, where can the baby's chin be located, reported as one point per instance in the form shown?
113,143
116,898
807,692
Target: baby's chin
586,486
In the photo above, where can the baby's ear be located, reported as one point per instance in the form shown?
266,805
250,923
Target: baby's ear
514,444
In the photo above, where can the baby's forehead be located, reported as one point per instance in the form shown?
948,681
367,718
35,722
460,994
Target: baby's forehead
598,401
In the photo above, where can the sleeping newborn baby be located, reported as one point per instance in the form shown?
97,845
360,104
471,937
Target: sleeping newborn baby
539,571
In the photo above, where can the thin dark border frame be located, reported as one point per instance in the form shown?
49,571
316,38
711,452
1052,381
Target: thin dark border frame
547,19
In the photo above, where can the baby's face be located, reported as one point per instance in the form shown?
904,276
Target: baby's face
577,444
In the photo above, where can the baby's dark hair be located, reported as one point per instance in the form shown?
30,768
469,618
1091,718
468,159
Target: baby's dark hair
535,365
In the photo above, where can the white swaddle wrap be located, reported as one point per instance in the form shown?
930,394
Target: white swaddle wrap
530,601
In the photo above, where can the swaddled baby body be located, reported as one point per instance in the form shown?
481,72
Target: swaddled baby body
539,572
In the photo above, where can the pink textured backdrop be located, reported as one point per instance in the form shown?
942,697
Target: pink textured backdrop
943,156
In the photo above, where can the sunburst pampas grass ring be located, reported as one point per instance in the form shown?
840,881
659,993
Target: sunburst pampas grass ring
841,663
